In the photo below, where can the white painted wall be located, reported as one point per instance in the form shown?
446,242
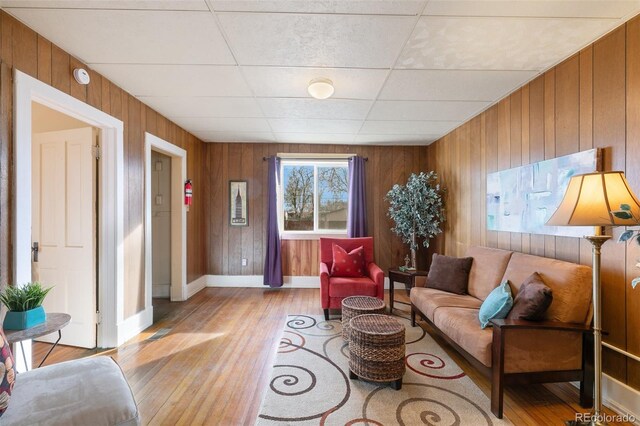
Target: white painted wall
161,224
45,119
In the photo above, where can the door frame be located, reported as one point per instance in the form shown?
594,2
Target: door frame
111,330
178,157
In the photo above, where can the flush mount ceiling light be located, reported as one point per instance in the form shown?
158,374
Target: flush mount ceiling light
320,88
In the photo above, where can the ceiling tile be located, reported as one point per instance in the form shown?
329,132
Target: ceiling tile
364,41
197,106
237,136
371,127
539,8
286,125
360,7
176,80
121,36
110,4
281,82
347,109
497,43
452,85
397,139
425,110
315,137
218,124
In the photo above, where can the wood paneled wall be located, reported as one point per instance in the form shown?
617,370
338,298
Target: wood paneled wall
228,245
23,49
591,100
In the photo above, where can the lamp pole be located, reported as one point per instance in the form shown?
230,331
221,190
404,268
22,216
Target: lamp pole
597,241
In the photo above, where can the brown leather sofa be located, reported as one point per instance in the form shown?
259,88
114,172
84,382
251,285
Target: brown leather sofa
558,349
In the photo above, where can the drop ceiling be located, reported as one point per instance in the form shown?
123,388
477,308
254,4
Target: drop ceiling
404,71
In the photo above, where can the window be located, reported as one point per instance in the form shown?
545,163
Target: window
314,196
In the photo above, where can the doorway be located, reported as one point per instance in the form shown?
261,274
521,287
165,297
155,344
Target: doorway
64,206
112,328
160,226
165,221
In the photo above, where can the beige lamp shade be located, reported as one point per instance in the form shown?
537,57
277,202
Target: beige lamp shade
591,197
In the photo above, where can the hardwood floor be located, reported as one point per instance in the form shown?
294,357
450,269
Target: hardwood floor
213,365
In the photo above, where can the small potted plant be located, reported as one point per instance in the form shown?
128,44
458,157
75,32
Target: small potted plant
24,305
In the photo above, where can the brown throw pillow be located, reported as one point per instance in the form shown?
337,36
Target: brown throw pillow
533,299
449,273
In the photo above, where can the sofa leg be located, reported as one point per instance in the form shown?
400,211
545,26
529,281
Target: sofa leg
586,385
326,315
413,316
497,372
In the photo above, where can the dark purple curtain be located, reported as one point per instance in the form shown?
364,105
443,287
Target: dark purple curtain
273,258
357,212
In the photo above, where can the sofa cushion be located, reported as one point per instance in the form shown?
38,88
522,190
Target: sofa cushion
344,287
463,327
449,273
88,391
7,373
428,300
488,267
497,304
570,283
533,299
347,264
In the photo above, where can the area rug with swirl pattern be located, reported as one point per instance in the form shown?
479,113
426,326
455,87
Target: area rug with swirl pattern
310,383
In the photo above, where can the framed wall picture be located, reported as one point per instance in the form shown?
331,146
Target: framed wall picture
238,203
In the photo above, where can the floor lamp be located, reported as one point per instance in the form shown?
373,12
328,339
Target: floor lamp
591,200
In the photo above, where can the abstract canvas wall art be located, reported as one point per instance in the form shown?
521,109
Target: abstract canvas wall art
523,198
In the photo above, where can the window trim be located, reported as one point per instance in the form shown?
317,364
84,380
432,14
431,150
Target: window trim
316,233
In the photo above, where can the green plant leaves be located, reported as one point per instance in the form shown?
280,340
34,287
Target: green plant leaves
417,208
625,207
25,298
625,236
635,282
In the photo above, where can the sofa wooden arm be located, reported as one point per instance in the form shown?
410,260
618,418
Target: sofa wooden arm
514,324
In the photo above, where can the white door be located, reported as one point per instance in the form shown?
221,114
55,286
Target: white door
64,226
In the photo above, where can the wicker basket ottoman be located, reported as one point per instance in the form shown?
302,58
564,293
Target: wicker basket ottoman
359,305
376,347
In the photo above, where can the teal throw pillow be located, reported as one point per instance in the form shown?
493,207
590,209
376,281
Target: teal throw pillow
497,304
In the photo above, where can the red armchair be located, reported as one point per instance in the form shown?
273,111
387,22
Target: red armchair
334,289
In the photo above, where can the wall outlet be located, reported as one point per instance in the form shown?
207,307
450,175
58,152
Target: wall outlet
245,262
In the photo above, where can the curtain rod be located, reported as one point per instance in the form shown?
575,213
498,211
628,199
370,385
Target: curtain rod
312,157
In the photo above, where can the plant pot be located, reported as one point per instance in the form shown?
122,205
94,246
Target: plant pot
26,319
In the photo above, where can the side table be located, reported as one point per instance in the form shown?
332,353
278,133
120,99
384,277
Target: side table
408,278
54,322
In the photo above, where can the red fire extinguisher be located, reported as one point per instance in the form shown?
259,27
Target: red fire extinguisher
188,192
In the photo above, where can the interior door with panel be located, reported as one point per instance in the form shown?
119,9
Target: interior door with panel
64,228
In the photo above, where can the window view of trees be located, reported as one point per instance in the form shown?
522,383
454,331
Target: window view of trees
301,203
298,198
333,187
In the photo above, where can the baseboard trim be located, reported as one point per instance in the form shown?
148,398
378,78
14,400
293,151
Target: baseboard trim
621,398
196,285
134,325
255,281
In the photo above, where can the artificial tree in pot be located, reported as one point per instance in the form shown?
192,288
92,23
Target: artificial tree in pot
417,210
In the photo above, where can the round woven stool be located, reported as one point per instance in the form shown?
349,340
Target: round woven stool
376,349
359,305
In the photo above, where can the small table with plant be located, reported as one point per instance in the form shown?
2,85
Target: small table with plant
26,319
